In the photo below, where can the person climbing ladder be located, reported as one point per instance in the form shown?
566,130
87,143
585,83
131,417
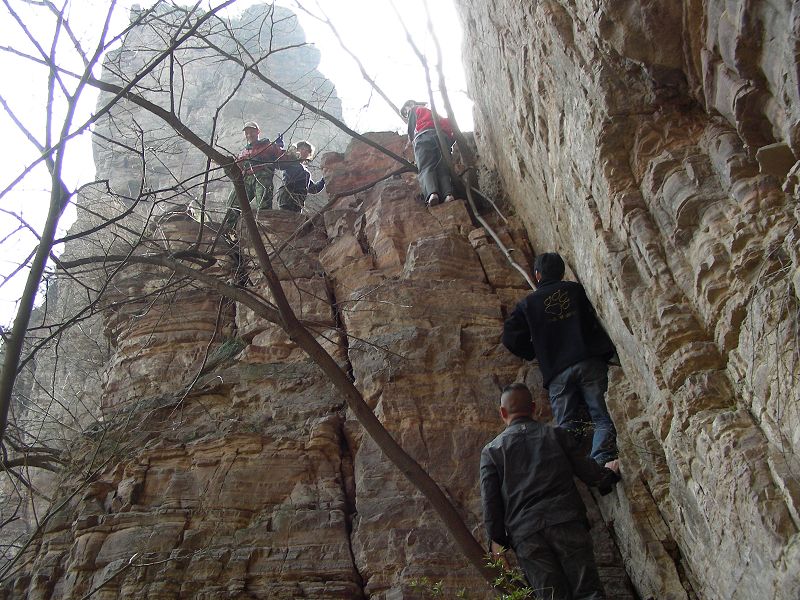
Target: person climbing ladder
434,176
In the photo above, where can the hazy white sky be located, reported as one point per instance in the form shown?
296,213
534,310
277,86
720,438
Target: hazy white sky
369,28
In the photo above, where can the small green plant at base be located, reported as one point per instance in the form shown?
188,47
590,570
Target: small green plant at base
511,581
428,587
228,349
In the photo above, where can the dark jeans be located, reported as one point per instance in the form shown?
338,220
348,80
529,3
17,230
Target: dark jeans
559,563
292,201
584,384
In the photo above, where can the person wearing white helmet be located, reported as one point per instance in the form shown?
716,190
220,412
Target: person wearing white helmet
258,161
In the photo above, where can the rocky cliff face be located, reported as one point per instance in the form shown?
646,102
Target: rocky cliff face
246,476
150,172
654,146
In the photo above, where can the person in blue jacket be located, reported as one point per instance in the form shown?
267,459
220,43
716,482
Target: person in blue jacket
297,182
558,325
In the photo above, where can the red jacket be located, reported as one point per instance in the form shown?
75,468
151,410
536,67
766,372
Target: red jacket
421,119
259,156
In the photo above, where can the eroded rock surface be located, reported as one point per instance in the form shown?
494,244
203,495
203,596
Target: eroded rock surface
248,477
655,146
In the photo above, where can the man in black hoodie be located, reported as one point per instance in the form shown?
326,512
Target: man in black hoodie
558,325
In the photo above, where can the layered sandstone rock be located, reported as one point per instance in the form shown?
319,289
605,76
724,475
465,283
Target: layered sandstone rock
158,352
654,145
146,171
249,478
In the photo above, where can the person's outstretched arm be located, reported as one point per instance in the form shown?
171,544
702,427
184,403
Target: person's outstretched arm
412,123
517,335
316,187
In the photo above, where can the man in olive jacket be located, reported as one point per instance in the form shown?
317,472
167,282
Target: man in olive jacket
557,324
531,504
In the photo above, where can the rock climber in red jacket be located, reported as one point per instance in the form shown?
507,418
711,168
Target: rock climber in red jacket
434,176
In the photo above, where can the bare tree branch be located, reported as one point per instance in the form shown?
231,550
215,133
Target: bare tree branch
58,202
326,19
463,146
318,111
141,74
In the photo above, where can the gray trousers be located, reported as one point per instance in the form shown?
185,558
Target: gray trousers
558,562
434,178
